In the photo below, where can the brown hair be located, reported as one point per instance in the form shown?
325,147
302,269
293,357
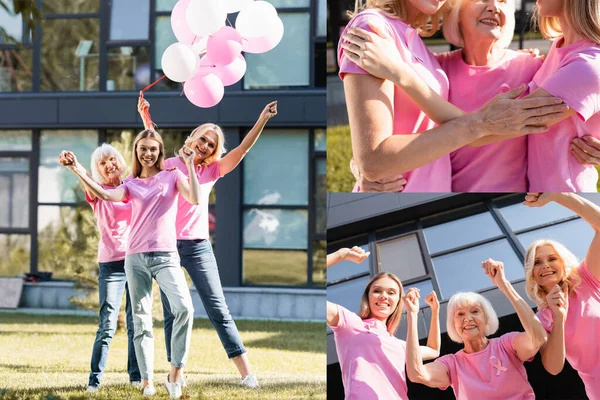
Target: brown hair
136,166
365,311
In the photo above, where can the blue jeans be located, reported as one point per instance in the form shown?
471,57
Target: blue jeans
199,261
111,284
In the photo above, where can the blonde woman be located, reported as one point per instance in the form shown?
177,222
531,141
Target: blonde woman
193,245
371,358
391,135
568,295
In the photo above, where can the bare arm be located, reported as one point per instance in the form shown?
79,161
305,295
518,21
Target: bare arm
553,353
333,316
434,339
114,195
143,107
190,189
233,158
355,254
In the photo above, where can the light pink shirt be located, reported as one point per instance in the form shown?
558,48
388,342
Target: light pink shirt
582,330
572,73
192,221
153,212
113,223
494,373
372,360
408,118
496,167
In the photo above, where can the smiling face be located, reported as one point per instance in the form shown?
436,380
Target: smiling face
486,18
384,295
470,321
205,146
109,167
147,151
548,267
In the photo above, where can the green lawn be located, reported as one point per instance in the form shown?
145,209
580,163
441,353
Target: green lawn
47,357
339,153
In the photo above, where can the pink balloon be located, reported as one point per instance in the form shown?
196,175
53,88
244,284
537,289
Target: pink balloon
180,28
265,43
224,46
231,73
204,91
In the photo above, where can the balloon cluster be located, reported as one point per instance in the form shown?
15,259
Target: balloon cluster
208,56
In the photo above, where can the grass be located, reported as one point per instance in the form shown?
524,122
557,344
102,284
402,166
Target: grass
339,153
47,357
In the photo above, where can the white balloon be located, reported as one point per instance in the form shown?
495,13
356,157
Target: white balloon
179,62
205,17
256,19
232,6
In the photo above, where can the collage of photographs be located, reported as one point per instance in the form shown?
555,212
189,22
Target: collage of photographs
300,199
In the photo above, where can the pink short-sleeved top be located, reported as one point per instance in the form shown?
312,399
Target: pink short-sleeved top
582,328
494,373
571,73
153,211
112,219
496,167
408,117
192,221
372,360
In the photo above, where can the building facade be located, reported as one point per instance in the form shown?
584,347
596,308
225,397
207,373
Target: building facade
73,83
437,242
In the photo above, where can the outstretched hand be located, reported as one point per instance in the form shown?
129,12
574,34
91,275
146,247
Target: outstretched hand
495,270
269,111
411,300
187,154
536,199
355,254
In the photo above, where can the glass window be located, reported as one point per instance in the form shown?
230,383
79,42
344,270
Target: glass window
265,182
290,3
321,192
129,20
15,250
165,5
461,232
576,235
348,294
128,68
11,24
17,140
401,256
322,18
425,287
274,267
346,268
71,63
319,262
56,183
275,229
462,272
320,64
15,70
520,217
320,140
288,63
14,192
71,7
163,38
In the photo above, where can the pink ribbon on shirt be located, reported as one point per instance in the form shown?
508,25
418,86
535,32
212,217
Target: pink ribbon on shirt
496,364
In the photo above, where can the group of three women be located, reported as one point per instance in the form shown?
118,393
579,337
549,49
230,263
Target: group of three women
396,92
152,223
373,360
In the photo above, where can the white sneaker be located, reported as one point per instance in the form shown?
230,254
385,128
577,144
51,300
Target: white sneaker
92,389
136,384
182,381
149,390
174,388
250,381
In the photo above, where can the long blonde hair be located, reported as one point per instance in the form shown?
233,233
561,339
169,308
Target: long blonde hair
426,25
571,275
583,16
203,130
393,320
136,167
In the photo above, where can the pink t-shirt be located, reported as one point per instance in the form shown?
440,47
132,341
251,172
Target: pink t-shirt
113,223
192,221
408,118
582,329
496,167
154,207
495,372
372,360
572,73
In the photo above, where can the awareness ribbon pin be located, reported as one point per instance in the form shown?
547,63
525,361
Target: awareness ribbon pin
496,364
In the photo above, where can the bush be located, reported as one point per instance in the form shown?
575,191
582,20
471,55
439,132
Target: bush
339,153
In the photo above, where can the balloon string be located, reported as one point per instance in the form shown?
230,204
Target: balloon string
146,113
229,22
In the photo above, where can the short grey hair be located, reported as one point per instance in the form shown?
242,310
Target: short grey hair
453,34
463,298
105,149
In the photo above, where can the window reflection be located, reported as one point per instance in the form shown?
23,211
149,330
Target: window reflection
128,68
15,250
14,192
576,235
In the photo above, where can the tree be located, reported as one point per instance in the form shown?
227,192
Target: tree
28,11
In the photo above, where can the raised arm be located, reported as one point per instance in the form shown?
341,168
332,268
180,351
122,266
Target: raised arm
355,254
587,210
142,108
233,158
527,343
189,189
433,374
553,353
68,159
434,339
